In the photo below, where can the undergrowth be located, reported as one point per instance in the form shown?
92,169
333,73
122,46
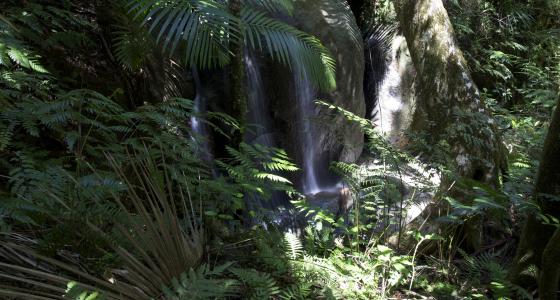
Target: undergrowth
107,198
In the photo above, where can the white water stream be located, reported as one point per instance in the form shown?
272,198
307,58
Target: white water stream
305,98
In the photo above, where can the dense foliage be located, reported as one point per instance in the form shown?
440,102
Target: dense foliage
107,191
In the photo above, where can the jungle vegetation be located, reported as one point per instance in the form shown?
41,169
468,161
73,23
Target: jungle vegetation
109,189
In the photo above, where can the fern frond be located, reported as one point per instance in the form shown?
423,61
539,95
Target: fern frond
201,283
294,248
258,285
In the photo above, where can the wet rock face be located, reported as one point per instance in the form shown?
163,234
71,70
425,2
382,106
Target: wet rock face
334,24
333,138
396,94
393,105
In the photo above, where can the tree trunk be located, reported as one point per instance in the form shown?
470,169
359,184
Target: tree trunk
539,246
447,95
550,271
529,252
449,106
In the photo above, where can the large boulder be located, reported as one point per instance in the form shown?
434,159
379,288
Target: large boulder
332,138
334,24
394,105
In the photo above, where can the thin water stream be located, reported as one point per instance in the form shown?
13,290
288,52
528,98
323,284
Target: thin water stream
199,127
305,98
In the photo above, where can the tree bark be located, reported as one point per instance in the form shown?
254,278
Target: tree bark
449,102
539,246
550,273
448,105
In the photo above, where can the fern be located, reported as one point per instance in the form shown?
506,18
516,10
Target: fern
25,60
202,283
254,168
258,285
16,210
294,248
485,270
269,256
298,291
13,50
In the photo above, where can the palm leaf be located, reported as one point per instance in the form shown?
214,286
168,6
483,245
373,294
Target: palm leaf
161,245
202,28
273,6
294,48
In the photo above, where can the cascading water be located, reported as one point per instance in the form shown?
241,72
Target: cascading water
260,132
195,122
259,122
199,128
305,97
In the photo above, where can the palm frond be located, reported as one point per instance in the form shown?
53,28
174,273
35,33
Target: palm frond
157,246
202,28
290,46
273,6
131,48
165,245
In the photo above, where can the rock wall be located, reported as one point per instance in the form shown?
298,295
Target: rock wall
394,105
334,138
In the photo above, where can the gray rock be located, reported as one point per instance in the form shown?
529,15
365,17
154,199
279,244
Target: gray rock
395,105
333,137
334,24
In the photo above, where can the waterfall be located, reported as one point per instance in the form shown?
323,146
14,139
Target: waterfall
305,98
259,120
198,126
260,132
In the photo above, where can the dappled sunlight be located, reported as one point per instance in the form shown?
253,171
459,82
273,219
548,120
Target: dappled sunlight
279,149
